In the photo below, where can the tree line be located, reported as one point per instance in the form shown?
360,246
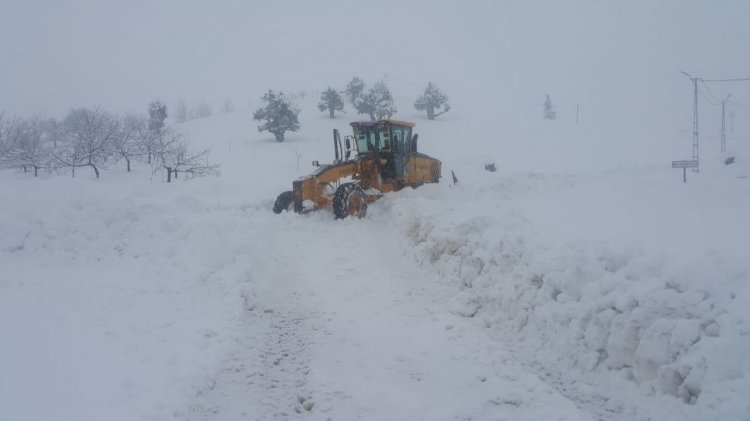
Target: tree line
200,109
280,115
96,139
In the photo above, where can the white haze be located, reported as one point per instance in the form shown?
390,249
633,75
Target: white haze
620,61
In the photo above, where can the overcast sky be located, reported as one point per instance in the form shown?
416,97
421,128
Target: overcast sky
56,54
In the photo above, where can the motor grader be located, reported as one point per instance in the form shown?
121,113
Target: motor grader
386,160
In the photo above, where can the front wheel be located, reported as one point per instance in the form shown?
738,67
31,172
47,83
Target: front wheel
349,200
285,201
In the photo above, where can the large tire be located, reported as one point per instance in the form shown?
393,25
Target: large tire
349,200
285,201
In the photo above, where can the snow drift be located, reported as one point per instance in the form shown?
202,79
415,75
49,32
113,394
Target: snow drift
663,307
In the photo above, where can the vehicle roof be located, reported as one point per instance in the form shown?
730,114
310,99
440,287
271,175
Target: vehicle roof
379,122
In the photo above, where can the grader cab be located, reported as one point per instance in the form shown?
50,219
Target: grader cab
380,157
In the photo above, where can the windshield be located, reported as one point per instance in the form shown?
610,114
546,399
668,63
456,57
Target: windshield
401,138
370,138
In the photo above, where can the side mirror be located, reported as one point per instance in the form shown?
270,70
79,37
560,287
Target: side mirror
316,164
414,142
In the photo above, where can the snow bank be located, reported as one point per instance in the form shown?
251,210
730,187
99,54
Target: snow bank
116,300
606,296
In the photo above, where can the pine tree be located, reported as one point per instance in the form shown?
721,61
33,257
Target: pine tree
279,115
157,113
432,100
354,89
377,103
549,112
330,100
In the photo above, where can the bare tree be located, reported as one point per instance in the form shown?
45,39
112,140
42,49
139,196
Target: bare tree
228,106
3,139
55,131
549,111
182,111
147,139
202,110
26,147
9,134
91,134
174,157
126,143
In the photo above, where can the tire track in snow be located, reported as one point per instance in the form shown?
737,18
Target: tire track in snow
265,375
339,315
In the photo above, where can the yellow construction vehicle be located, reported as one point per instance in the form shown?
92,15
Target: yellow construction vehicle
386,160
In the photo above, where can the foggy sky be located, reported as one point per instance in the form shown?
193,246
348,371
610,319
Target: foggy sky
625,55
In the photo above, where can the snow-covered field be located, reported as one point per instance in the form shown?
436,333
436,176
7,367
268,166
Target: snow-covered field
583,280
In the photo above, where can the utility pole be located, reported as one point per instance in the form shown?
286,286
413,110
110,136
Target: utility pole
578,107
695,118
723,124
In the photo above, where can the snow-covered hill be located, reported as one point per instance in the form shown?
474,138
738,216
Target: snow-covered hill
583,280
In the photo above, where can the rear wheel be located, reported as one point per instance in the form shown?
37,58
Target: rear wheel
285,201
349,200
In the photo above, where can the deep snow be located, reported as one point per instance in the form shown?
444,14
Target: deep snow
583,280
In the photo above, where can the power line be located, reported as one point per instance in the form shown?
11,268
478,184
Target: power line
739,105
727,80
717,102
709,100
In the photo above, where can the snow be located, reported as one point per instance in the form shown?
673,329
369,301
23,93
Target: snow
582,280
599,299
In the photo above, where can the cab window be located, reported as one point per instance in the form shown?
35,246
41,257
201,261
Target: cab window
397,133
407,139
365,140
371,138
401,138
384,140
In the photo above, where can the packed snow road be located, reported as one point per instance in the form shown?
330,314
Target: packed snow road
342,324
